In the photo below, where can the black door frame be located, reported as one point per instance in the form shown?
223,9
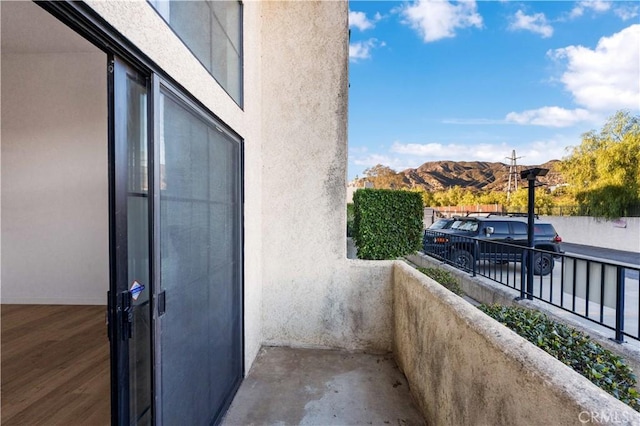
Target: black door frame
120,305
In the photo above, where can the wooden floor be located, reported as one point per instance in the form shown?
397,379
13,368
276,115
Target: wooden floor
55,365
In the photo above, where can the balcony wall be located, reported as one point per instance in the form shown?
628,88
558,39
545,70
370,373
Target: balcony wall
465,368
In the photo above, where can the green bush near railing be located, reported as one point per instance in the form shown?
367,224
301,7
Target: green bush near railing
445,278
573,348
387,223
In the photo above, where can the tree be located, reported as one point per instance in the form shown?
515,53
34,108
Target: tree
493,197
384,177
427,197
519,201
604,170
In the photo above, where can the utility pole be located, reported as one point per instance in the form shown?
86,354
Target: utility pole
513,173
530,175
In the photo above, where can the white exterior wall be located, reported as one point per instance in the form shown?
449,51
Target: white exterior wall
620,234
313,296
55,241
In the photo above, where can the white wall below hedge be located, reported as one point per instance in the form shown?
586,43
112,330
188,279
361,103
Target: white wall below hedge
620,234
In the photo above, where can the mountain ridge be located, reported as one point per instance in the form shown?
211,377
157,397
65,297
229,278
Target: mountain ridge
479,175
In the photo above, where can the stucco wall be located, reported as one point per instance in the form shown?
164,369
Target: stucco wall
489,292
55,241
621,234
465,368
309,286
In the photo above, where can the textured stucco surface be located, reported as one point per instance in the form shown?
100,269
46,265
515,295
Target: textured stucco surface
312,295
350,309
466,368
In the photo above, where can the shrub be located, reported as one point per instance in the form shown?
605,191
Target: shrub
572,347
387,223
445,278
350,218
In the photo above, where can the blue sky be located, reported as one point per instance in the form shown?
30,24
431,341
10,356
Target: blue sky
465,81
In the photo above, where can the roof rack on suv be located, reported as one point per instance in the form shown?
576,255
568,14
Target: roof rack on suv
477,214
489,214
513,214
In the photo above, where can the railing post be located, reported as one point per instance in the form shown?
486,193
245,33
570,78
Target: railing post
476,252
619,304
473,267
530,273
523,275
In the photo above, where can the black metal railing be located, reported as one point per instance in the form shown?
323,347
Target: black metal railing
600,291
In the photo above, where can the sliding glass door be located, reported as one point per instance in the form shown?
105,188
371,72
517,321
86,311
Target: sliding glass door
200,332
175,301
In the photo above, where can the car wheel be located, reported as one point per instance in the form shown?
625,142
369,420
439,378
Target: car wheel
542,264
462,259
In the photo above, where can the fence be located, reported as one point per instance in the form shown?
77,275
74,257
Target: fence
602,292
448,211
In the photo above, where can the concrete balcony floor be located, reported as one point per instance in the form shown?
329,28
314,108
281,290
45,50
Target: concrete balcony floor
288,386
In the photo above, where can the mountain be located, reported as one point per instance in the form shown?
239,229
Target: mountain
441,175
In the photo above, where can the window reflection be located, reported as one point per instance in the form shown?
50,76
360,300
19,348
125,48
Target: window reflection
212,31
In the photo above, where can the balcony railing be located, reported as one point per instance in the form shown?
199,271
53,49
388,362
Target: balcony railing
602,292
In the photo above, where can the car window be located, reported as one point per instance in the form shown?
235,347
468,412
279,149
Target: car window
499,228
439,224
456,224
519,228
544,229
470,225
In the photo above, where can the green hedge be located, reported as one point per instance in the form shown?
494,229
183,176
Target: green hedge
444,278
572,347
350,219
387,223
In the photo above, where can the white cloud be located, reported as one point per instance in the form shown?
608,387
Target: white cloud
535,152
437,19
600,80
551,117
627,11
370,160
536,23
604,78
360,21
362,49
598,6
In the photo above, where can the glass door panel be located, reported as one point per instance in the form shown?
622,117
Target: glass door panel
200,272
130,308
138,252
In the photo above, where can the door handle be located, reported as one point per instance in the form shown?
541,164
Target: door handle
127,315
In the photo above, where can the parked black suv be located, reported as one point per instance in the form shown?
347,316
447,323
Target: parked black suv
479,238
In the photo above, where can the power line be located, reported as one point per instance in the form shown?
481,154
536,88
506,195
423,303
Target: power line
513,173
